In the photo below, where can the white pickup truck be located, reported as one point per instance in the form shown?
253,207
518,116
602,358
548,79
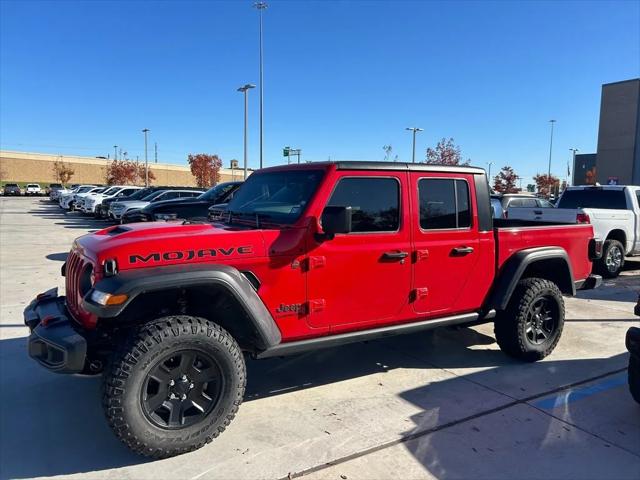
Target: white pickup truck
614,212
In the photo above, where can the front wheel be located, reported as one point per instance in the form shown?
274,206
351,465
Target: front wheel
175,386
531,326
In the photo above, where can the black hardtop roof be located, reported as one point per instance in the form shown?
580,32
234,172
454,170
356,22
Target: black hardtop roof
368,165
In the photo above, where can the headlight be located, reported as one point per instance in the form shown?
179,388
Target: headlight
166,216
103,298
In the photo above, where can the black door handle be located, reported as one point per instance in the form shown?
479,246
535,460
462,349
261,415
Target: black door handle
538,212
462,250
395,255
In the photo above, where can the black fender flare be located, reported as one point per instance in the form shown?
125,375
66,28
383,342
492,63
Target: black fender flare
137,282
513,269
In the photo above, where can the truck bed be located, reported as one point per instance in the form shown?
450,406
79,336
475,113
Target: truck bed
515,235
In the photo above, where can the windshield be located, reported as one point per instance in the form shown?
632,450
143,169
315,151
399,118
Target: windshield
216,192
280,196
111,190
83,189
33,185
593,198
138,194
12,185
153,195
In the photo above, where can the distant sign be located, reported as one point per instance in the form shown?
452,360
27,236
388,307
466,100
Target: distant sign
612,181
285,151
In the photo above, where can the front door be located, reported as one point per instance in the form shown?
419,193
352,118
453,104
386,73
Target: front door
363,277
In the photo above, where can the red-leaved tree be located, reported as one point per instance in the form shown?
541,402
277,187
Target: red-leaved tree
505,180
546,184
445,153
205,168
126,172
62,171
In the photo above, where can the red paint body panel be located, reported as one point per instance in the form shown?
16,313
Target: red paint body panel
343,284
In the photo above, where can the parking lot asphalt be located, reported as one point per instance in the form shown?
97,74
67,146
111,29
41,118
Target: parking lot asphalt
439,404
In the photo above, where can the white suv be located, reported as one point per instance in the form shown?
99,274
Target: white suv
92,200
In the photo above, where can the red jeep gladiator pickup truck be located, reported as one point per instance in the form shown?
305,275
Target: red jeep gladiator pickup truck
308,256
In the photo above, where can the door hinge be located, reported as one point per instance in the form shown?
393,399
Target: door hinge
421,255
316,262
317,305
420,293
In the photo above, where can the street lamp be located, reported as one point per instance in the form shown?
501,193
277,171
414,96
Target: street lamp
146,160
489,176
414,130
552,122
245,89
115,152
260,6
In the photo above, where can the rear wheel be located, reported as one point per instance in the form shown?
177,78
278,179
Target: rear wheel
634,377
531,326
175,386
612,260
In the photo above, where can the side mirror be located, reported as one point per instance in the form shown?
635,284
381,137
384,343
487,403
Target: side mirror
336,220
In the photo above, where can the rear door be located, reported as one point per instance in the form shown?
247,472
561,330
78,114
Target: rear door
450,262
363,277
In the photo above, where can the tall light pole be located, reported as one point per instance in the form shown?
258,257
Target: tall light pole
115,152
245,89
414,130
260,6
489,175
146,160
552,122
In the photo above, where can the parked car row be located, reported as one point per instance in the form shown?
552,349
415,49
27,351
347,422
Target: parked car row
31,189
128,204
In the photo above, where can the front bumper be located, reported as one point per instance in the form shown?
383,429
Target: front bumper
55,342
136,216
592,281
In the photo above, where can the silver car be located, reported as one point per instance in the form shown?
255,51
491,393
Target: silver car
117,209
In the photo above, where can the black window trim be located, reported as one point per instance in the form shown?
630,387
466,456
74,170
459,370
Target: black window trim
376,232
455,196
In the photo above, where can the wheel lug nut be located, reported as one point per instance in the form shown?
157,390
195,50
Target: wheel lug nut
184,378
184,396
172,396
191,385
172,383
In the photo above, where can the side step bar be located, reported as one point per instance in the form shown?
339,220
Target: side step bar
290,348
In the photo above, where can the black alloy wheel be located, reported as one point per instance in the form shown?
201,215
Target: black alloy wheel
541,322
182,389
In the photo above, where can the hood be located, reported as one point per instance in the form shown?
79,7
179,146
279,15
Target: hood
167,205
131,204
165,243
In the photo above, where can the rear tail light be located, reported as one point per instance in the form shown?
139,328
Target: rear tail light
582,218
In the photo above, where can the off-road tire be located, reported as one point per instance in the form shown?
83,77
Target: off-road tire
633,375
601,267
510,326
127,375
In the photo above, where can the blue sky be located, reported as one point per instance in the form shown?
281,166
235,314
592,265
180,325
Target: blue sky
342,79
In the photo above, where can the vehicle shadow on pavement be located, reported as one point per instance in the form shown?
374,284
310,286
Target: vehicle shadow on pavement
68,219
54,425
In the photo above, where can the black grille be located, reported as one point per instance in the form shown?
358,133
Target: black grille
75,266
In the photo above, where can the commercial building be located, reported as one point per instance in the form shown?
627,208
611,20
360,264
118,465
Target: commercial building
23,167
617,160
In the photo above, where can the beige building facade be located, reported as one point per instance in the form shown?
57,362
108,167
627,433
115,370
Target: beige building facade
23,167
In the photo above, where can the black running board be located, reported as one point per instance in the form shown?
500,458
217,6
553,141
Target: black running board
300,346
